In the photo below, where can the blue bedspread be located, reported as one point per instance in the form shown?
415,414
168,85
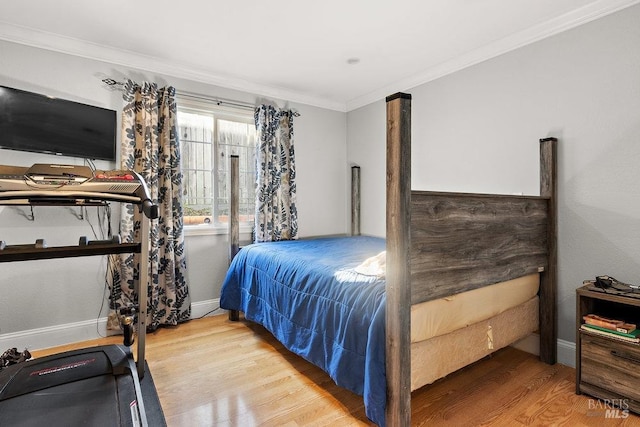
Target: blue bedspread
308,295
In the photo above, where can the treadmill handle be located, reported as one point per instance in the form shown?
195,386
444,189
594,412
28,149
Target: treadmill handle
149,209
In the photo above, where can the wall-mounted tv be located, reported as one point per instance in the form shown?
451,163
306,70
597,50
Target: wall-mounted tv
42,124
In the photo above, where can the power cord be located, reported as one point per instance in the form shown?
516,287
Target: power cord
208,313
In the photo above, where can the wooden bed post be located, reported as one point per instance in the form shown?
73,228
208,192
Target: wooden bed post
234,220
398,288
355,200
548,279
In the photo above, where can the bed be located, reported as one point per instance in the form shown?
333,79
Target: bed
384,334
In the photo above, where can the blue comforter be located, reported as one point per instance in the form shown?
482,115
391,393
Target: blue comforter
307,294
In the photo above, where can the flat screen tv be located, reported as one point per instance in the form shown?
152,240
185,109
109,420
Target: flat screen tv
42,124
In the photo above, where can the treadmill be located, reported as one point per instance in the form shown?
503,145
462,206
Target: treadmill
95,386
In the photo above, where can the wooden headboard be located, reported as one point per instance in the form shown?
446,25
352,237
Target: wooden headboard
461,242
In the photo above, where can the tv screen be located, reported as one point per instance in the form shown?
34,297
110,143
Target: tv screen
38,123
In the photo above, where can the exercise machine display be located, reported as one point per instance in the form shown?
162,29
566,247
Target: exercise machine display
95,385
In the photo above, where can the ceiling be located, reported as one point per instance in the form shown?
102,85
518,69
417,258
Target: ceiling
337,54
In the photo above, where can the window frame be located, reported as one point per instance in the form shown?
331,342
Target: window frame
218,112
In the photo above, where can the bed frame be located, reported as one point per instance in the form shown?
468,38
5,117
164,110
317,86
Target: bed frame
440,244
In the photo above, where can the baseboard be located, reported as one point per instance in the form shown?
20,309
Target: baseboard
206,308
567,353
52,336
566,349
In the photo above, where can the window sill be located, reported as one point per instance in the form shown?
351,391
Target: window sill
208,229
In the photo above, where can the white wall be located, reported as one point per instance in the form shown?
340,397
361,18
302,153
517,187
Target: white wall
477,130
46,294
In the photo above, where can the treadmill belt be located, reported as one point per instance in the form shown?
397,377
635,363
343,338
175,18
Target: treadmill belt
51,371
80,388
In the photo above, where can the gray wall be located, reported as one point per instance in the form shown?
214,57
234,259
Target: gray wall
56,293
477,130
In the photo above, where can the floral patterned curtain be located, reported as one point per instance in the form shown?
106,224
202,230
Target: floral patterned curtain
276,213
150,146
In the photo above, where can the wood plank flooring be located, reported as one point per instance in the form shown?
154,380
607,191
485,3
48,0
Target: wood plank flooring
213,372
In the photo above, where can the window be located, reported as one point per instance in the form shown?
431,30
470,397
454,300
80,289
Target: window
209,135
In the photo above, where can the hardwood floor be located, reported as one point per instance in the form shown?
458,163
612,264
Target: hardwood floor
213,372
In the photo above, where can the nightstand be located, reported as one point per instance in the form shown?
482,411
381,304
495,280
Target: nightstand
607,368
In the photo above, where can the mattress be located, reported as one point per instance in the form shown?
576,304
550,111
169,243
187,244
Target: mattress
438,317
439,356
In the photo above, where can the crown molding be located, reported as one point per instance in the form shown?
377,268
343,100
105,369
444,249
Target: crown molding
76,47
80,48
565,22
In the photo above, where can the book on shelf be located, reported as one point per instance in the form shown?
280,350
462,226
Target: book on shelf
633,336
626,328
611,324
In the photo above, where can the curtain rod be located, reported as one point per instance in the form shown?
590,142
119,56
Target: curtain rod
196,96
216,100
